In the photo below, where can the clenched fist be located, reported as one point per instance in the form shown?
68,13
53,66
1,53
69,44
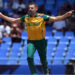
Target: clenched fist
69,13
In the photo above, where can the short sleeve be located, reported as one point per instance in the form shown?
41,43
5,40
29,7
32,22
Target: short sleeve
46,17
22,18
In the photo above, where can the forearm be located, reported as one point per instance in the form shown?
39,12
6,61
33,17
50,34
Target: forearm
9,19
60,17
57,18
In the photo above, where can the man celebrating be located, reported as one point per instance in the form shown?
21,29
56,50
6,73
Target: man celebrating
36,34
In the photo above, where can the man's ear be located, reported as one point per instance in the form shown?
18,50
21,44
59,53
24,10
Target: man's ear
36,9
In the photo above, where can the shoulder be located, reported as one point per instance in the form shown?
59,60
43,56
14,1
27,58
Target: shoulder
43,15
40,14
23,17
26,15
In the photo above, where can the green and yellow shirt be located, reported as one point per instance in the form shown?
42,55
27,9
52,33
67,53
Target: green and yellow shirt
35,26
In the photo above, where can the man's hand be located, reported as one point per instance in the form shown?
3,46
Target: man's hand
68,14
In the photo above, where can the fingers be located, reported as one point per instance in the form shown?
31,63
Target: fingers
72,11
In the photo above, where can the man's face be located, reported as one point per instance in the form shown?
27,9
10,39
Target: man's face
32,9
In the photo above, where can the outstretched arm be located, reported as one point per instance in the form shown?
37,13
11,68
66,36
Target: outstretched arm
57,18
9,19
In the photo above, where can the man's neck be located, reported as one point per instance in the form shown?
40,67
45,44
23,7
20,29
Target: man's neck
32,14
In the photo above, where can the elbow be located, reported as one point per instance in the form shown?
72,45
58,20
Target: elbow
13,21
54,19
57,19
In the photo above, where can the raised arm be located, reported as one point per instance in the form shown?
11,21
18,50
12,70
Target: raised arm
9,19
57,18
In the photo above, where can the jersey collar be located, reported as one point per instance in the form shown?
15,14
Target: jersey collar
35,15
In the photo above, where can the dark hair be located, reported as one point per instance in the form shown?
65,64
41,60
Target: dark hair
33,3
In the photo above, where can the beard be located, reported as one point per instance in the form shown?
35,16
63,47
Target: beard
32,13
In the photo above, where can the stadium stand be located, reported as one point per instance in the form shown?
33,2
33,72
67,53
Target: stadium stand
60,48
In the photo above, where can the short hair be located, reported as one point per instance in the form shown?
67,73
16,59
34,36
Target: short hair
33,3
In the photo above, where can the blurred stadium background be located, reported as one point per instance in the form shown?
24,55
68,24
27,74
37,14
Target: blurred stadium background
61,41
